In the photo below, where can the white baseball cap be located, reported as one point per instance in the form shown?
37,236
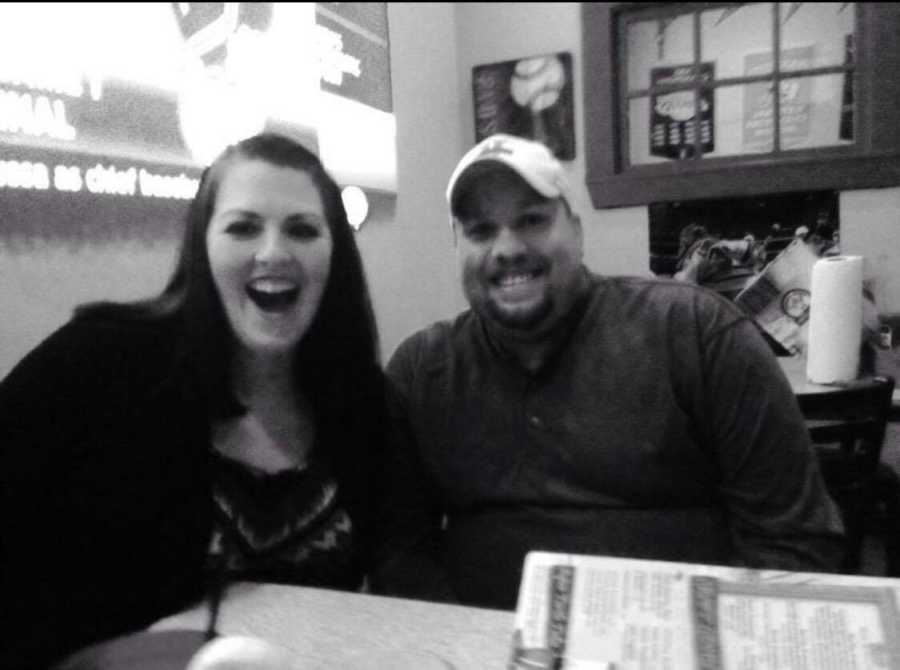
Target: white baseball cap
531,160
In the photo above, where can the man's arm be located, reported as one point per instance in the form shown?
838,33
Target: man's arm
408,528
781,514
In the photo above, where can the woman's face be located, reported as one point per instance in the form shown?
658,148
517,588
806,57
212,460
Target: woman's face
269,249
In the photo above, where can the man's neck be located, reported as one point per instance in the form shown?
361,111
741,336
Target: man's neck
531,349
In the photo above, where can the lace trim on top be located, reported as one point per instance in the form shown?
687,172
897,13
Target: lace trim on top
285,526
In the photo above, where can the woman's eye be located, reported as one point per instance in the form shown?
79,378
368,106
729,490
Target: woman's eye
302,230
241,228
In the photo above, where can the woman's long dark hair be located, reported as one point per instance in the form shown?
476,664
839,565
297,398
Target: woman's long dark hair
335,363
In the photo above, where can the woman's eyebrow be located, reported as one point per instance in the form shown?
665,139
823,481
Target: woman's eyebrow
238,211
305,217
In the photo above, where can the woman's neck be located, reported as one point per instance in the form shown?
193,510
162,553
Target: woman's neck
277,430
256,375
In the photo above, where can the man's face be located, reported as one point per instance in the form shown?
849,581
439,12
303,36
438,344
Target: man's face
520,253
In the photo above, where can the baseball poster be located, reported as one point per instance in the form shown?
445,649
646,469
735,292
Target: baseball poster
530,97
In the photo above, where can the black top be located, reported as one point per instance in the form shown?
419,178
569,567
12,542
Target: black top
106,507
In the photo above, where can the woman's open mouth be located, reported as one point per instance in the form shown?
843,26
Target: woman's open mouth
273,294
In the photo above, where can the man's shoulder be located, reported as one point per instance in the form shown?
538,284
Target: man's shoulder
662,293
657,288
432,344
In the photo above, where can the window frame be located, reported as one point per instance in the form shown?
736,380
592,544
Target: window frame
872,161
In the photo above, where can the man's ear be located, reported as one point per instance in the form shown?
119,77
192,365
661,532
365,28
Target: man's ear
576,222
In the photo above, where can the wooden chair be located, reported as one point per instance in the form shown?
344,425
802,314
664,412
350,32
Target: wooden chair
847,427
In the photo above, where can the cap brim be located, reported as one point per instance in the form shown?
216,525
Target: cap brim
462,181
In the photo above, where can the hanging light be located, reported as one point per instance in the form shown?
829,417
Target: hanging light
357,205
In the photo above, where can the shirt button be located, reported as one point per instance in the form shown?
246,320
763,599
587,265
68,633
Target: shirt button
535,421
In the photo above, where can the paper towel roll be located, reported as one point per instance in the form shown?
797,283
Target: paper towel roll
835,319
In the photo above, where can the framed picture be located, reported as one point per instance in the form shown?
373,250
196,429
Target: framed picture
530,97
672,124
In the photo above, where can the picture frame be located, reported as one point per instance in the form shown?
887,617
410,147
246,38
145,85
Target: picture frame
529,97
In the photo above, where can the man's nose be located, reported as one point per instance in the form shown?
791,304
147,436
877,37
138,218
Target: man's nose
272,248
508,245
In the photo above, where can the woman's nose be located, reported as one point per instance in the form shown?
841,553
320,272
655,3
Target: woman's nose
272,248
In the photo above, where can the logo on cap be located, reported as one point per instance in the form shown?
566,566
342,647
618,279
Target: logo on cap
494,147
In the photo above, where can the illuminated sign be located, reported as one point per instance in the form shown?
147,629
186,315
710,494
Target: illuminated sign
130,100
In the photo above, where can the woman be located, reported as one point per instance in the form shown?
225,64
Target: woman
227,429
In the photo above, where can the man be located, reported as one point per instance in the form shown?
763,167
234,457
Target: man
570,412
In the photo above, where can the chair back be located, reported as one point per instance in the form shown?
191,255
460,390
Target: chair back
847,427
854,418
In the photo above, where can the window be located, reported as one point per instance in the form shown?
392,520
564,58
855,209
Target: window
679,99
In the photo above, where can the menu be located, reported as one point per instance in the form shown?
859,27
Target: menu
672,124
599,613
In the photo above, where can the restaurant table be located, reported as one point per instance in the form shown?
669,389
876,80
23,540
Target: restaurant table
327,629
794,368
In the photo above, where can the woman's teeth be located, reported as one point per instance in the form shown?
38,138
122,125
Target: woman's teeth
273,295
272,284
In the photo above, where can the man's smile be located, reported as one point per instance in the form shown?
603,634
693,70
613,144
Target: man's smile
514,279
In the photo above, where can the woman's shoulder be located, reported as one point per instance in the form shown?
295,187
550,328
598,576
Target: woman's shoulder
96,345
115,337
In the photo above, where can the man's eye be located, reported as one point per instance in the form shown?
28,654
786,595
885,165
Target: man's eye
533,219
479,231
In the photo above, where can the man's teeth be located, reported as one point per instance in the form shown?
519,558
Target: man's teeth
513,280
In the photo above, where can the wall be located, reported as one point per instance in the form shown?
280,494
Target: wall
410,262
41,284
617,240
870,227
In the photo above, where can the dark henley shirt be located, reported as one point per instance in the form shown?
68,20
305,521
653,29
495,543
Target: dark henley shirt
662,428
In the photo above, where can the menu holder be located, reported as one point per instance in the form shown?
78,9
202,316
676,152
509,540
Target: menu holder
778,298
599,613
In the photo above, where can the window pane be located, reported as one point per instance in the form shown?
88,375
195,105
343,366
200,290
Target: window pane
664,41
728,33
811,112
743,119
821,31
